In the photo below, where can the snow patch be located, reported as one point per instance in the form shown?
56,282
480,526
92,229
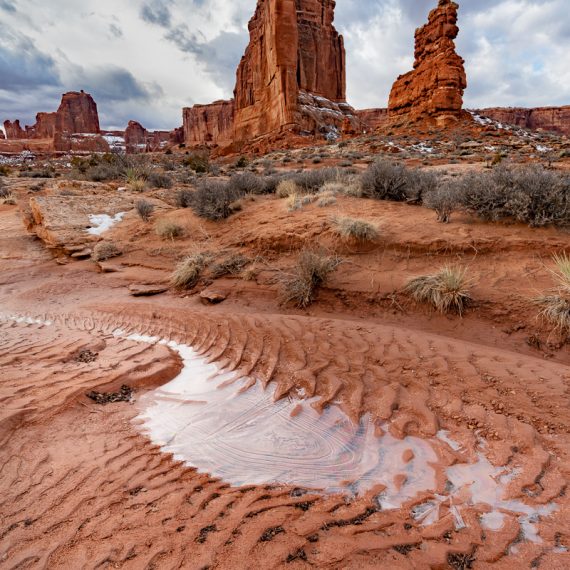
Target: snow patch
100,223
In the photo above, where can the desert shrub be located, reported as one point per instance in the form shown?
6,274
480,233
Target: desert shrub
248,183
168,230
241,162
230,265
105,250
144,210
448,291
183,198
4,192
311,181
444,200
385,180
309,273
215,200
48,172
138,185
199,162
4,170
188,271
160,180
103,173
531,195
286,188
326,199
355,229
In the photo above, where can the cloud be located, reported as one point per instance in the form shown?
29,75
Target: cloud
146,59
157,12
22,65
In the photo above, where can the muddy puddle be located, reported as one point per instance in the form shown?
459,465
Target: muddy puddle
232,428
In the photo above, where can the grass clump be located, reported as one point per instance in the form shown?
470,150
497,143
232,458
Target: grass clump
188,271
144,210
448,291
105,250
354,228
555,308
286,188
166,229
309,274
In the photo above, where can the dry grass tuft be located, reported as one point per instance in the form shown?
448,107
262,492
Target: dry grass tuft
168,230
448,290
286,188
310,272
353,228
188,271
105,250
144,210
556,311
562,272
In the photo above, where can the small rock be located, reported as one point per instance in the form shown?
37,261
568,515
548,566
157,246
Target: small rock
146,290
212,297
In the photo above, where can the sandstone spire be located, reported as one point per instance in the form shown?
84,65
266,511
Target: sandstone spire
291,77
434,89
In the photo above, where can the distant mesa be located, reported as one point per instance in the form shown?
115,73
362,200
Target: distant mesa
433,90
552,119
291,79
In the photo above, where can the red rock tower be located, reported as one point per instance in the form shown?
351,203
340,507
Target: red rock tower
434,89
77,113
291,78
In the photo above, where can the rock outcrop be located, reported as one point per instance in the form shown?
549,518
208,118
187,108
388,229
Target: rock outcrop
209,123
14,130
77,113
373,118
552,119
290,79
135,136
434,89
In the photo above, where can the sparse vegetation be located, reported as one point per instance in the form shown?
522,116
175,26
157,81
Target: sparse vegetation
188,271
448,290
309,273
354,229
199,162
215,200
183,198
168,230
144,210
105,250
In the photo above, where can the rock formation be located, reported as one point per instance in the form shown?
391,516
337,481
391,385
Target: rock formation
209,123
135,136
553,119
77,113
45,126
291,78
434,89
14,130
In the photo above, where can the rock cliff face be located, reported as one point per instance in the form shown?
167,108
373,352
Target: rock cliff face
77,113
209,123
434,89
45,126
554,119
291,78
372,118
135,136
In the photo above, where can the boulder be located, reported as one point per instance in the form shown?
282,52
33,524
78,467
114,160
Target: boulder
434,89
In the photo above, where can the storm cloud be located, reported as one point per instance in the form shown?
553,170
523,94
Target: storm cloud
146,59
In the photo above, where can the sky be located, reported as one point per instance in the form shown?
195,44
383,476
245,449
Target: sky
147,59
